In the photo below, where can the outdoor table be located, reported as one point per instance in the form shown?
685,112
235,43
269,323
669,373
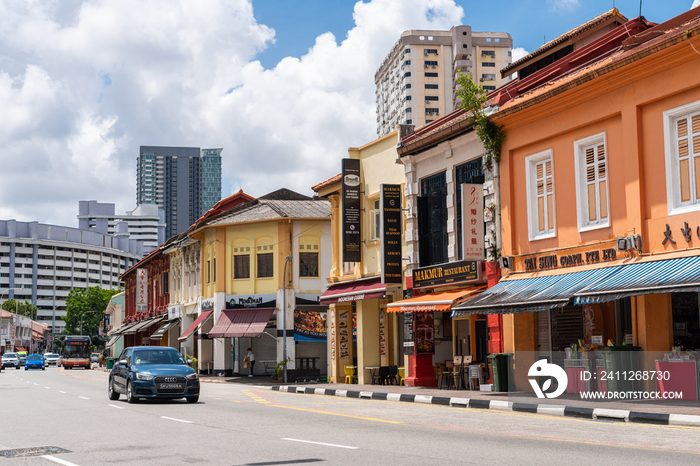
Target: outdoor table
372,372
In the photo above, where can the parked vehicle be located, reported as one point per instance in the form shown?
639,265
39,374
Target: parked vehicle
10,360
153,372
95,357
22,357
34,361
52,359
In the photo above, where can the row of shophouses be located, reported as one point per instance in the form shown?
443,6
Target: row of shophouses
586,229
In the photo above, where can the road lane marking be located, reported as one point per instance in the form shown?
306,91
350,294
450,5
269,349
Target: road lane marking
36,384
321,443
48,388
61,391
115,406
84,398
320,411
58,460
178,420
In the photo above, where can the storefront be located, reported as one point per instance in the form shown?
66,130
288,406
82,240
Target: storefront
430,334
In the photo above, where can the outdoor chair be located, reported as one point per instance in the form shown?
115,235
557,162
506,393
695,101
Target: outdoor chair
380,378
475,376
350,376
391,377
402,376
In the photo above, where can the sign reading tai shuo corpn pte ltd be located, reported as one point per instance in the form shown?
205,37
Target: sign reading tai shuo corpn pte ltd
450,273
141,290
390,207
351,211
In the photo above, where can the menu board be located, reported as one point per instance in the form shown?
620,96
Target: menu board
408,335
425,340
382,333
310,326
332,333
344,336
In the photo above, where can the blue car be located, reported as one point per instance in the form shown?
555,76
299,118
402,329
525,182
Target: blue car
35,361
153,372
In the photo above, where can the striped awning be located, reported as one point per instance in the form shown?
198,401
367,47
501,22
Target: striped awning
664,276
533,294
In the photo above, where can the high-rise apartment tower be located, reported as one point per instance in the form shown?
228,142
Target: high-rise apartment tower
184,181
416,82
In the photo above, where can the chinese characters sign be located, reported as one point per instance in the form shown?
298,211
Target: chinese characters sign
141,290
473,221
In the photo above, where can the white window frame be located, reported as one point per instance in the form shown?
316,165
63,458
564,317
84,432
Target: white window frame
580,146
531,187
673,192
375,222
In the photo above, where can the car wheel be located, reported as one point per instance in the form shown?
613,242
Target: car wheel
130,393
193,399
43,368
113,395
26,368
17,367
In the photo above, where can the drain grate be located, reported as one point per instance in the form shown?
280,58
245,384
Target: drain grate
37,451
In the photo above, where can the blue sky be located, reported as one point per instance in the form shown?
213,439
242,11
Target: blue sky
529,22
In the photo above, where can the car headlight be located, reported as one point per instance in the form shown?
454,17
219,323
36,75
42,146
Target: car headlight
144,377
193,377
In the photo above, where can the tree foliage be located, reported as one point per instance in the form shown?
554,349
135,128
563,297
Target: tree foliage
473,98
20,308
88,305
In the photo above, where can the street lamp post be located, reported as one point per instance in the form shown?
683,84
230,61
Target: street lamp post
284,316
1,295
81,319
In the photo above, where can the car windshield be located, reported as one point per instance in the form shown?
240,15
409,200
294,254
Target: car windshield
9,355
156,356
51,356
34,357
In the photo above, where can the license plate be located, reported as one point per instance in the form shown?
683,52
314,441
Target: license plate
170,385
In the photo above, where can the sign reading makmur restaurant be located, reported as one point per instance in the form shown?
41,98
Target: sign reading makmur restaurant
451,273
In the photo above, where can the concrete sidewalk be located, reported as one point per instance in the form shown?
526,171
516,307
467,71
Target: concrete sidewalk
655,412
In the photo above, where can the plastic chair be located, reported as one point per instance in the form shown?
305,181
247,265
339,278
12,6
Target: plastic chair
448,377
402,376
381,376
475,375
391,378
350,376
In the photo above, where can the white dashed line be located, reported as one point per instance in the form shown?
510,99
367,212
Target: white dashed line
83,398
115,406
178,420
61,391
58,460
320,443
36,384
49,388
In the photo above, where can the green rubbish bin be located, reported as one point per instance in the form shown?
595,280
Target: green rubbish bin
618,362
499,370
110,363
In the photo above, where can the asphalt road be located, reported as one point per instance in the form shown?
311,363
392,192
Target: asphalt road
245,425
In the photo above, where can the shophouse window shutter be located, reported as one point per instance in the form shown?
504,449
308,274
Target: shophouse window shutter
423,230
696,152
602,181
683,159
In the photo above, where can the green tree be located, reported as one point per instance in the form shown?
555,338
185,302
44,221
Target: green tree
86,307
20,308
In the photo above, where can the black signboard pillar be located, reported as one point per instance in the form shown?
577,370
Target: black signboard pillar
408,334
390,207
352,238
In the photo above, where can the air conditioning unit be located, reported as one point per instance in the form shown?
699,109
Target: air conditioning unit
621,243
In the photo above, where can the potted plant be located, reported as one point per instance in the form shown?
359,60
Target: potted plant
279,370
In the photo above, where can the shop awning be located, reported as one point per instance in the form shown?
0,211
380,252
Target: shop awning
143,325
20,348
533,294
241,323
354,291
112,341
431,302
197,322
158,334
121,328
665,276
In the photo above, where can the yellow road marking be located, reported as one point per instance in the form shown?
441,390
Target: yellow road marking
337,414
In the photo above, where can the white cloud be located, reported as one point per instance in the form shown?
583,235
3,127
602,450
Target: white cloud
563,4
518,53
85,84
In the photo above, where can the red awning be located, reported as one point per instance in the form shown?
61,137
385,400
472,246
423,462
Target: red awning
20,348
198,321
432,302
241,323
354,291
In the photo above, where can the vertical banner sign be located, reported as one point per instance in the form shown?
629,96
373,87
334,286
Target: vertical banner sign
351,211
473,222
390,207
141,290
408,334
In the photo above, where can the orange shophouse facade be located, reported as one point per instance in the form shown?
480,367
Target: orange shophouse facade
600,194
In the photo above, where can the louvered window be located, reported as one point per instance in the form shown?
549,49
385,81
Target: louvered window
688,152
540,186
592,181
